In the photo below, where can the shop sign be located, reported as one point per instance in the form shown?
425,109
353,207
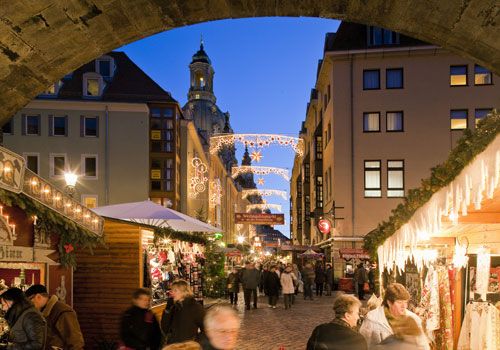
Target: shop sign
259,218
297,248
12,167
324,226
10,253
156,174
155,135
353,253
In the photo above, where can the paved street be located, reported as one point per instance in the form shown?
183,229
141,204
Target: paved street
268,329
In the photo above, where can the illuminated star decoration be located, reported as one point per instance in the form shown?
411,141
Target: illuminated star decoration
260,181
256,156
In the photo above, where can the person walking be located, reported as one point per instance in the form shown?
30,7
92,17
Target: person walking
299,286
360,278
222,327
288,281
263,272
233,286
406,335
139,328
339,334
378,323
308,278
319,278
329,279
182,319
28,328
272,286
250,279
371,277
63,329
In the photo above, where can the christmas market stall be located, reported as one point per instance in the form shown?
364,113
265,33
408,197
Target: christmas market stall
443,243
41,228
142,250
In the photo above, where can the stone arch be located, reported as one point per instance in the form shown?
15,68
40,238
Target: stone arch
42,41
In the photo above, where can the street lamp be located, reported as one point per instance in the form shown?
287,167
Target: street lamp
70,179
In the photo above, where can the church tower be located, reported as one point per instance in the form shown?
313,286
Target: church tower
202,77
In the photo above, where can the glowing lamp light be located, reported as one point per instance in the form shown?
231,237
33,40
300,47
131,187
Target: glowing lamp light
70,179
460,258
324,226
267,254
240,239
423,235
252,251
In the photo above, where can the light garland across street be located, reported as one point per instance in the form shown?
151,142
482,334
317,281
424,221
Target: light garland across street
264,193
266,206
260,170
256,140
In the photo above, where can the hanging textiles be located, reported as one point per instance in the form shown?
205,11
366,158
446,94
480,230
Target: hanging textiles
435,307
480,328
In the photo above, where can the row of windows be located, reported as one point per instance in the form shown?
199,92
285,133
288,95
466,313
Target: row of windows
373,182
459,118
394,121
394,77
58,165
57,126
162,174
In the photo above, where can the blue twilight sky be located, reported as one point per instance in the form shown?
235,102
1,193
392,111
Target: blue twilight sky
264,71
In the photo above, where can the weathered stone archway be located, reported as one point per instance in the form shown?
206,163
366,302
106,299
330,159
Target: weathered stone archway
40,41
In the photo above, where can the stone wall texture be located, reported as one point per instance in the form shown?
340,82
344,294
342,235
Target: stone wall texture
41,41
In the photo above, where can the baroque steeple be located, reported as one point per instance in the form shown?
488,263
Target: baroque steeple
202,76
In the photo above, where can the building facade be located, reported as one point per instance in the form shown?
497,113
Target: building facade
389,108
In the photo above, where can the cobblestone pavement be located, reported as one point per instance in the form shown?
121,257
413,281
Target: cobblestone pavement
269,329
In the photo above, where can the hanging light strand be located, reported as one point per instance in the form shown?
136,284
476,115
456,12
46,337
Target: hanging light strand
256,140
260,170
265,206
264,193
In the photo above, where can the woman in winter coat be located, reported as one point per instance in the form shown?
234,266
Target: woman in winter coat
379,323
272,286
288,281
405,337
182,319
319,279
233,286
28,329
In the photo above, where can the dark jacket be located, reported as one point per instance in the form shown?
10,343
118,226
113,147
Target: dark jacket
308,275
272,284
394,343
336,335
320,275
233,282
205,343
329,276
182,320
63,329
360,275
140,329
28,329
250,278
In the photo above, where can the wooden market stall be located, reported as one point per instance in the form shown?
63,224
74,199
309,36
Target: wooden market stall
447,252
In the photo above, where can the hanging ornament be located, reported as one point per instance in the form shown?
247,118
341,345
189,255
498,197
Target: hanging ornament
256,156
218,142
259,170
260,181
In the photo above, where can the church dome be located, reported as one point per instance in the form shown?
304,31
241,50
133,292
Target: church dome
201,56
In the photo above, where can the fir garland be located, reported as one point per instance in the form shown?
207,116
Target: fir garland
470,144
71,235
167,232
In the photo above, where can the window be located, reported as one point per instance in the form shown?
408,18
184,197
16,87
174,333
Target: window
52,90
394,121
33,162
379,36
89,126
319,191
162,174
93,85
371,122
482,76
394,78
307,172
307,207
7,128
89,166
162,129
31,125
395,178
89,200
104,67
58,126
371,79
372,178
458,119
57,165
319,147
480,113
458,75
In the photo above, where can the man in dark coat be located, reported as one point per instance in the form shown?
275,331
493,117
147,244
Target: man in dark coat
308,276
329,279
250,279
139,328
272,285
63,329
360,278
339,334
319,279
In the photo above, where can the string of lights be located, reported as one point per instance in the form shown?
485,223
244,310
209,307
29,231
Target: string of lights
265,206
264,193
260,170
256,140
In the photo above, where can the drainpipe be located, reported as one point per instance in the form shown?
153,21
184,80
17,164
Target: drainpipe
106,157
351,107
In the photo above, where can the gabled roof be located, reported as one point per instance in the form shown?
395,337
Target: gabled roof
128,84
353,36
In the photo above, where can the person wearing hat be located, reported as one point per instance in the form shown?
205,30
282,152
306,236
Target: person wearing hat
63,329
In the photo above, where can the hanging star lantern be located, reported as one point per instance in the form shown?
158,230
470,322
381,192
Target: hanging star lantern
256,156
260,181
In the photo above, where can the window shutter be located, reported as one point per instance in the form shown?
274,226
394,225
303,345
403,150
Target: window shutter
39,125
66,126
51,125
97,126
82,126
23,124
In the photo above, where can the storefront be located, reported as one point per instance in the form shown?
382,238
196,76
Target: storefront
448,256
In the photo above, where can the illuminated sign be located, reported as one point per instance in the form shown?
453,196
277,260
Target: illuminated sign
259,218
324,226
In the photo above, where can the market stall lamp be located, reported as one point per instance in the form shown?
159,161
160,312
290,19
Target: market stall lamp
460,258
70,179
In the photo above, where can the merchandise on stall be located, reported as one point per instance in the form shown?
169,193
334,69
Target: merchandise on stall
481,327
